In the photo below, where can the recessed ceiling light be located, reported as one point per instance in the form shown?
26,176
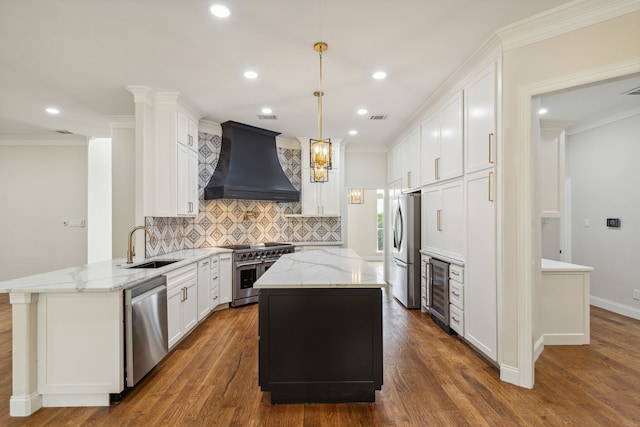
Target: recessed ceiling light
362,111
220,11
250,74
379,75
353,132
542,111
266,110
52,110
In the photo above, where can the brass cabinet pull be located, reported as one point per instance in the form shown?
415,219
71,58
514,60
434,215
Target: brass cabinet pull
455,273
437,161
455,294
455,319
190,206
490,195
490,156
438,214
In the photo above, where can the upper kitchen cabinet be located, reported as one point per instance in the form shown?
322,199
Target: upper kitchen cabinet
187,129
321,198
443,220
394,164
551,167
411,161
175,165
442,142
480,120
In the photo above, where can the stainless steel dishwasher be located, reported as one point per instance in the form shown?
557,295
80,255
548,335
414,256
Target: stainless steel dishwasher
145,322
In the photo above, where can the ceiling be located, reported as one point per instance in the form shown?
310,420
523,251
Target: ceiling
79,56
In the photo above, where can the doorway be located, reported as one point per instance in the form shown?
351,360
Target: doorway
365,223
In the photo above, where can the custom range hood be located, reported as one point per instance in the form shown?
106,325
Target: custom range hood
248,167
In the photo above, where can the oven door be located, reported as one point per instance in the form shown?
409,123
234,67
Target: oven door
246,275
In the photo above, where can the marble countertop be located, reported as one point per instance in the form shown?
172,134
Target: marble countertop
105,276
320,268
549,265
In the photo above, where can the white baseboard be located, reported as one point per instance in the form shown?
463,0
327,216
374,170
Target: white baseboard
509,374
566,339
616,307
23,406
538,347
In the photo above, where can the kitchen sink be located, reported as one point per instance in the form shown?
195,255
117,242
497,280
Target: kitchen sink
155,264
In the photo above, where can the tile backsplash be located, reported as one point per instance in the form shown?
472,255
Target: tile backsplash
231,221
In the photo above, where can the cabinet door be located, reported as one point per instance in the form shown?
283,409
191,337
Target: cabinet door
174,315
480,118
226,278
183,127
204,288
309,196
187,182
214,284
190,305
329,196
192,134
429,148
452,220
431,211
411,160
394,161
480,306
450,164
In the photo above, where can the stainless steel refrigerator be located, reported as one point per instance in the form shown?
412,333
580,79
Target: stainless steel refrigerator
405,270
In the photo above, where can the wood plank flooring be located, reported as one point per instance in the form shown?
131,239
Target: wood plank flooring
430,379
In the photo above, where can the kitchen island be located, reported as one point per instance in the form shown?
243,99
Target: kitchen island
68,334
320,314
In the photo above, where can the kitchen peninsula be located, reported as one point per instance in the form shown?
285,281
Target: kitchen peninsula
68,335
320,314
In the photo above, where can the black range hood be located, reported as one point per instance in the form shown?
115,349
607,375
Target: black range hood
248,167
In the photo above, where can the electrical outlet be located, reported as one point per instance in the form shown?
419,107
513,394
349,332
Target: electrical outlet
636,294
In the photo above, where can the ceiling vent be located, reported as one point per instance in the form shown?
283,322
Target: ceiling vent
635,91
267,117
379,117
64,132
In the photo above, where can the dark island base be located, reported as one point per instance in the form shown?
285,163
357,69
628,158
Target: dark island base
320,345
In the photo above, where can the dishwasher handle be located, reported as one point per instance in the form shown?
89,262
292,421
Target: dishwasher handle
157,289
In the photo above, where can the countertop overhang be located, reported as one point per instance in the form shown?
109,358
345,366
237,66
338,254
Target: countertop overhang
105,276
320,268
549,265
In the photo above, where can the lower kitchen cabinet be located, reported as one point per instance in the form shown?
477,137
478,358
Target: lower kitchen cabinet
204,288
480,291
214,282
226,278
182,302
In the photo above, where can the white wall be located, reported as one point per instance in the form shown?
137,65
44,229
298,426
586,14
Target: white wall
42,185
123,152
365,169
603,166
362,222
99,200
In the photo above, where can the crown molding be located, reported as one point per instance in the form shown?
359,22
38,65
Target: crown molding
291,144
561,20
601,121
43,140
365,148
212,128
141,94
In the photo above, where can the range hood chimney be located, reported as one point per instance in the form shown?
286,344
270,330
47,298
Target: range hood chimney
248,167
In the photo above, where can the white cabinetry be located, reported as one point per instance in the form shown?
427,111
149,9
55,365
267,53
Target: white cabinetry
443,220
410,152
226,278
175,157
321,199
214,283
204,288
480,120
551,167
441,143
394,167
182,302
480,296
456,298
424,286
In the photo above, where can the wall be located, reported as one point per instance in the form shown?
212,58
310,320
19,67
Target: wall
362,220
224,221
41,186
365,169
99,200
603,167
527,71
123,184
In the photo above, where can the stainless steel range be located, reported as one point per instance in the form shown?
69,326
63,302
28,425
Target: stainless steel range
249,263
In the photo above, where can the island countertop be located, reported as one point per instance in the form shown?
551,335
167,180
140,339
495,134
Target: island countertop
320,268
105,276
550,265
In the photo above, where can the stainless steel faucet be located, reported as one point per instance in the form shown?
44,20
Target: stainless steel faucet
131,251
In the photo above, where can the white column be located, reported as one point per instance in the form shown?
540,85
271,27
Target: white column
25,399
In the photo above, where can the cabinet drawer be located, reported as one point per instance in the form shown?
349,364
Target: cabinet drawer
456,320
456,273
456,294
183,276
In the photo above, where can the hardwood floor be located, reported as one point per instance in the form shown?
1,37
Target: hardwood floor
430,378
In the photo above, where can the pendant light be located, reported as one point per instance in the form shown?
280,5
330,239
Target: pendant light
320,149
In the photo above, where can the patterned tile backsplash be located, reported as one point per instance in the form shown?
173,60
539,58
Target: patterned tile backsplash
230,221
